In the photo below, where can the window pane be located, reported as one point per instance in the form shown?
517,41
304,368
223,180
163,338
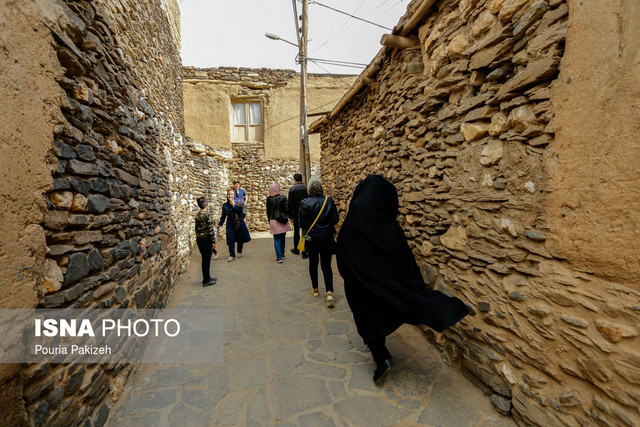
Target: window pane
254,113
239,116
240,134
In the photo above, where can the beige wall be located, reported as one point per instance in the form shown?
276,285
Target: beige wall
594,216
207,114
207,106
26,80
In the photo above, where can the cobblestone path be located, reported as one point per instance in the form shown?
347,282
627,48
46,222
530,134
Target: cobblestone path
290,361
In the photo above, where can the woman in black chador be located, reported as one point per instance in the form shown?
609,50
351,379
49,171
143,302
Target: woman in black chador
382,281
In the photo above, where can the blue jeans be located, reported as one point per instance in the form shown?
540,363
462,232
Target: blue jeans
232,249
278,244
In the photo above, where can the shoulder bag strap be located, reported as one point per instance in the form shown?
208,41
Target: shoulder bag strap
319,213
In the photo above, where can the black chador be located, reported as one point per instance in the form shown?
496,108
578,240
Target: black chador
383,284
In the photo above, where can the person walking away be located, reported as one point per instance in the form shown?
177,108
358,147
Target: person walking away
382,282
297,192
205,239
237,231
318,217
278,215
240,197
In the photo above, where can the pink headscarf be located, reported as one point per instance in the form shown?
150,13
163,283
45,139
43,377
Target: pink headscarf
274,189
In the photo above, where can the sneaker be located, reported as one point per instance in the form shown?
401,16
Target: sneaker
239,255
314,292
330,302
279,260
294,251
216,256
211,282
231,258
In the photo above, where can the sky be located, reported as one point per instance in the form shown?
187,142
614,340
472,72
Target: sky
218,33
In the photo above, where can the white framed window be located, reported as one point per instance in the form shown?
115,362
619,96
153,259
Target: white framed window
247,121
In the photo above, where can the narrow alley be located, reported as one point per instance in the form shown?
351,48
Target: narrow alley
290,361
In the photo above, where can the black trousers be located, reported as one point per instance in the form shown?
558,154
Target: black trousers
320,249
296,232
378,350
204,246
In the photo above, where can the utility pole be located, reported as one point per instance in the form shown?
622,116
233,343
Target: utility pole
305,158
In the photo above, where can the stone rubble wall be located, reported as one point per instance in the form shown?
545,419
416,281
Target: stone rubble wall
256,173
113,228
172,10
210,172
464,125
265,76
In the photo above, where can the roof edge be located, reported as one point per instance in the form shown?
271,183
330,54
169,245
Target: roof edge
406,24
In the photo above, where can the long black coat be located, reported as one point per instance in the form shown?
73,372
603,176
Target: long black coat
237,230
383,284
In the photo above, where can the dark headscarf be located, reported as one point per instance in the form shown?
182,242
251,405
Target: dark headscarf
383,284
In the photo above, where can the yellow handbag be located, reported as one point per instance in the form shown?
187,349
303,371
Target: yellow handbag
302,243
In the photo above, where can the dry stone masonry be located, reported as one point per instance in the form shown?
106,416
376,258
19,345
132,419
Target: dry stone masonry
113,226
263,77
463,124
474,125
212,172
256,174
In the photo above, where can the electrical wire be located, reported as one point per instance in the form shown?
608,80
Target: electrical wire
388,9
320,66
350,15
382,4
336,63
339,29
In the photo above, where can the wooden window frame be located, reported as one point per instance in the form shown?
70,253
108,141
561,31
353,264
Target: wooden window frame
247,125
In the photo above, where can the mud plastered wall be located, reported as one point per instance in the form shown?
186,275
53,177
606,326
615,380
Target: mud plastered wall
479,127
94,145
208,110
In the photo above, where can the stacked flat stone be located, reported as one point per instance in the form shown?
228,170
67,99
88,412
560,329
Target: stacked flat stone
113,221
462,125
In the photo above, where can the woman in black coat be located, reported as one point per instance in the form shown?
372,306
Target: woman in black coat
382,282
321,246
237,231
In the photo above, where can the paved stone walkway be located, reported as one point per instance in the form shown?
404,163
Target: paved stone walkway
290,361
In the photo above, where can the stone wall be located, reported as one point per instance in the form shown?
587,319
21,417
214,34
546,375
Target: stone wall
172,10
263,76
98,102
256,173
466,126
210,172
